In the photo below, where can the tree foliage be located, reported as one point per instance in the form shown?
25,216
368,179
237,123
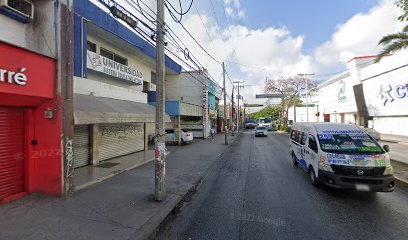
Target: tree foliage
396,41
289,86
270,111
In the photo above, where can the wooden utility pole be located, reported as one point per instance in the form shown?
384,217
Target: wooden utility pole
160,146
225,106
232,112
239,110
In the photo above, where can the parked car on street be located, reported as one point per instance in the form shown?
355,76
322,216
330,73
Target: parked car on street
251,123
341,156
261,132
172,136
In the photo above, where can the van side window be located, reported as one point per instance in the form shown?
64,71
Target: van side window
293,134
312,143
296,136
303,138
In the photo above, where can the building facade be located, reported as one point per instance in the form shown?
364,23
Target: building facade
370,95
114,71
32,98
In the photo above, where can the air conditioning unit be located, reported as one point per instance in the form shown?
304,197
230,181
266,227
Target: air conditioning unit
20,10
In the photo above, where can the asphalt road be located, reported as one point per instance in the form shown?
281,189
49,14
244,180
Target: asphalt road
254,192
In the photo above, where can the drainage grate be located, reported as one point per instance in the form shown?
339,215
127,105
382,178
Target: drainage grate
107,165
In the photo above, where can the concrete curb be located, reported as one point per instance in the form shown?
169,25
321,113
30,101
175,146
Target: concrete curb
150,227
401,182
85,185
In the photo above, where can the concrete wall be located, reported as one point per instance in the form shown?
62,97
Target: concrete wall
185,86
101,89
37,36
133,61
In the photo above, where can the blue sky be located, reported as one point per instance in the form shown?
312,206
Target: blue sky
262,39
314,19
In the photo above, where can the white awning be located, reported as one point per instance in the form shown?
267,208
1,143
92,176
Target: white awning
91,110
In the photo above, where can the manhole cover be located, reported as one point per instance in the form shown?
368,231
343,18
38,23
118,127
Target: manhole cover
107,165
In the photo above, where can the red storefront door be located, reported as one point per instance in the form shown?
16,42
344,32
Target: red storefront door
12,180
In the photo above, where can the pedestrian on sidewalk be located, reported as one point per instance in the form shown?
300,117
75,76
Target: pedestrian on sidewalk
212,131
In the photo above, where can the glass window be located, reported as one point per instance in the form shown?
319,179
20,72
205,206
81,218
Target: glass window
312,143
106,53
91,46
153,78
303,137
349,144
113,56
120,59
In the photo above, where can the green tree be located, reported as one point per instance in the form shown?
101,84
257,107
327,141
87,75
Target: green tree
396,41
290,87
270,111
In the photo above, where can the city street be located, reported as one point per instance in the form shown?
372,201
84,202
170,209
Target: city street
254,192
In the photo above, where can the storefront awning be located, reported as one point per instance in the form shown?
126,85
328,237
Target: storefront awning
91,110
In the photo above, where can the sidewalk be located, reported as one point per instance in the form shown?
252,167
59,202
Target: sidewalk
121,207
399,160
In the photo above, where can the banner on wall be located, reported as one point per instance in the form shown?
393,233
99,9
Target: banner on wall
387,94
109,67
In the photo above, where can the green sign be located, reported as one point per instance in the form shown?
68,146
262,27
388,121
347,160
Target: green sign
341,96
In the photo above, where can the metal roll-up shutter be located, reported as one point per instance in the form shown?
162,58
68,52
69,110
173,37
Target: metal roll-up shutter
11,151
81,146
120,139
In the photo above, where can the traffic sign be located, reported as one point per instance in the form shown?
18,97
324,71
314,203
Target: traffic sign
271,95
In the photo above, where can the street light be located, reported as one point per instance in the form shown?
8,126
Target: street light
307,91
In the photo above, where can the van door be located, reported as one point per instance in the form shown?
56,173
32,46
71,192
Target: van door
302,149
311,155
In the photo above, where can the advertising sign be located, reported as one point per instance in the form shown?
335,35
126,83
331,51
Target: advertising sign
109,67
387,95
26,73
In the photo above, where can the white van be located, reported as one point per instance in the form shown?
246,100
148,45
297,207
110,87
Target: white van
341,156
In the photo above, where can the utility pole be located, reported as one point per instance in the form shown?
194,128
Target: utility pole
232,113
239,110
160,146
225,105
307,91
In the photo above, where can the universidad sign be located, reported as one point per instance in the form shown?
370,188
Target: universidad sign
107,66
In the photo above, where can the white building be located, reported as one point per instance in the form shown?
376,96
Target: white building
367,94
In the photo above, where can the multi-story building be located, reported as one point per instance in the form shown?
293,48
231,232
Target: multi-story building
191,100
114,71
33,86
367,94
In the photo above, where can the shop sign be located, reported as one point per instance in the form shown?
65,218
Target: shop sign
109,67
25,73
389,93
341,96
8,76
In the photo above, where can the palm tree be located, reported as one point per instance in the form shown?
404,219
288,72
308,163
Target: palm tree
397,41
394,42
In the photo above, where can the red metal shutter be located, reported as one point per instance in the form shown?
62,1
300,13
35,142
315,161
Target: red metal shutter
11,151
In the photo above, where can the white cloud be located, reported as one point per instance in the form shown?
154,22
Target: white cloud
233,9
359,36
276,48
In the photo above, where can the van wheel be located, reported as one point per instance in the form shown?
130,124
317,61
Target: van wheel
312,177
295,163
182,142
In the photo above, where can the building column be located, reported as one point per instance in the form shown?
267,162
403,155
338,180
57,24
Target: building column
94,144
146,137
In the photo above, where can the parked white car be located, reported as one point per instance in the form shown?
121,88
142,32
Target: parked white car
172,136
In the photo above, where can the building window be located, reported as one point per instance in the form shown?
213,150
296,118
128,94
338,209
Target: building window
113,56
91,46
146,86
153,78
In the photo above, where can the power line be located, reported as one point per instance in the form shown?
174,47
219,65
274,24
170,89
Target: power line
206,30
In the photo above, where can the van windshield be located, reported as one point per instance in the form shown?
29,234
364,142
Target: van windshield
349,144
